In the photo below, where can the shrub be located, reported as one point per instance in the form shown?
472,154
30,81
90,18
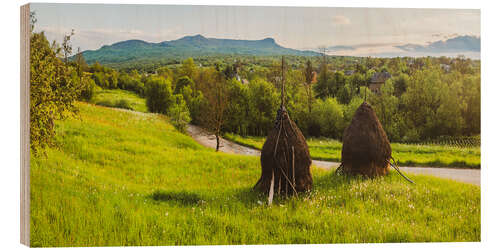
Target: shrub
123,104
158,95
105,103
88,88
329,116
179,113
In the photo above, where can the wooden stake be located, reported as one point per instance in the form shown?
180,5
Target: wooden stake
293,166
271,191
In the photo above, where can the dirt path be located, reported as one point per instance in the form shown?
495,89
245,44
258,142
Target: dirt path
472,176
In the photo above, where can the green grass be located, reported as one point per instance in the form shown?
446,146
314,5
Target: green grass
405,154
118,98
128,178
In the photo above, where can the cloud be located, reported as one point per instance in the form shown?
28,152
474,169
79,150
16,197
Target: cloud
341,20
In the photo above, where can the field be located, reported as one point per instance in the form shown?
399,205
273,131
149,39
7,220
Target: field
120,99
121,177
405,154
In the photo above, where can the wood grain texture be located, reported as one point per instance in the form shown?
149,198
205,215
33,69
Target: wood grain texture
25,124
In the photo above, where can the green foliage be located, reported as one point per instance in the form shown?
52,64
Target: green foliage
329,117
194,101
345,94
158,95
188,68
386,107
420,102
471,104
183,82
123,104
52,92
89,88
400,84
126,178
112,98
264,101
134,53
179,113
323,87
238,119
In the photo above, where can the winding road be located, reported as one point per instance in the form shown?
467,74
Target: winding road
472,176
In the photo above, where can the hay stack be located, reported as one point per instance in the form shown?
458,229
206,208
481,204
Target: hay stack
366,150
285,158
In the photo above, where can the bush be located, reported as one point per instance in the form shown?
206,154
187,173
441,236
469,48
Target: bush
179,113
88,88
123,104
158,95
105,103
329,116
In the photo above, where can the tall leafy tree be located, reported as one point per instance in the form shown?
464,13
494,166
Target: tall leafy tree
216,94
310,78
52,92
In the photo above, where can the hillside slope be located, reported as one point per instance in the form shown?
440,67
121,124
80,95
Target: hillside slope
129,178
188,46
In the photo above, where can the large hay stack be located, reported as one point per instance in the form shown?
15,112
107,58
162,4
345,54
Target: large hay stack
366,149
285,159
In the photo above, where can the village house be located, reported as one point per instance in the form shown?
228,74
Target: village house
377,80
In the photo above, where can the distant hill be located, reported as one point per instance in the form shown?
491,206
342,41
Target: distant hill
188,46
456,44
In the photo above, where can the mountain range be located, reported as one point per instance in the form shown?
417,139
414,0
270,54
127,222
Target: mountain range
188,46
456,44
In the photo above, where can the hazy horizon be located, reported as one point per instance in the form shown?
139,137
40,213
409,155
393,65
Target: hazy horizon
357,31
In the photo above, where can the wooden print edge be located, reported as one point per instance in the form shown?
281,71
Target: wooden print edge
25,31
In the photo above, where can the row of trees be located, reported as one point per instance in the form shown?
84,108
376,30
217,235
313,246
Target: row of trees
422,100
418,104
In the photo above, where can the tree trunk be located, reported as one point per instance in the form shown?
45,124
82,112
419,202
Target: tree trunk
218,142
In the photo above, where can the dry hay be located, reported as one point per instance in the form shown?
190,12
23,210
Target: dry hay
285,159
365,147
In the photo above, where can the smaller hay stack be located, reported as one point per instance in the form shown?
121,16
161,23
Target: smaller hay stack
285,159
365,147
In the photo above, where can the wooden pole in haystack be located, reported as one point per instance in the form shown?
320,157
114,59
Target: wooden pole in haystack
285,158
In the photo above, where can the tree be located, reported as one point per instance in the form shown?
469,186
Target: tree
194,101
165,72
188,68
182,82
310,79
386,107
328,114
420,102
471,109
66,46
344,94
264,101
239,108
400,84
178,113
158,95
52,92
213,114
322,87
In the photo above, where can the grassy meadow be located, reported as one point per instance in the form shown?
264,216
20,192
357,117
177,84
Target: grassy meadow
118,98
121,177
406,154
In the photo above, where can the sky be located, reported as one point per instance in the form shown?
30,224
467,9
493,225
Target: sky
369,31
